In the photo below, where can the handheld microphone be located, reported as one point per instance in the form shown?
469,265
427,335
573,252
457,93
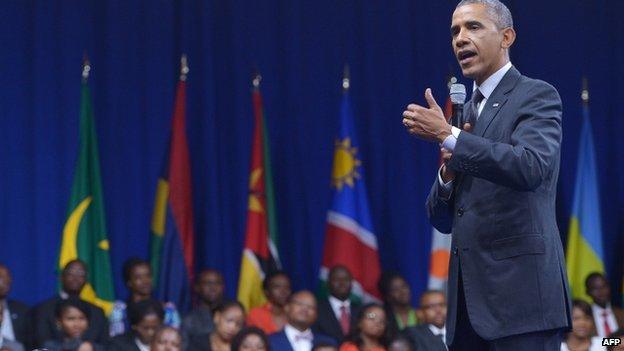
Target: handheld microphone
458,98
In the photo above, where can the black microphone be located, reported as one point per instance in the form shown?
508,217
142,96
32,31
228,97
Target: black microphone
458,98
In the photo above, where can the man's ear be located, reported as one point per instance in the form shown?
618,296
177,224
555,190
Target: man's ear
509,37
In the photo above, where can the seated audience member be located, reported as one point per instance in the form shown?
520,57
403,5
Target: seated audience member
271,316
146,318
432,333
6,343
337,311
73,280
137,275
72,320
323,346
16,322
618,334
607,318
228,319
402,343
208,287
580,338
396,294
297,334
167,339
250,339
370,331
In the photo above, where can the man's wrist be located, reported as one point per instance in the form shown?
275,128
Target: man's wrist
444,133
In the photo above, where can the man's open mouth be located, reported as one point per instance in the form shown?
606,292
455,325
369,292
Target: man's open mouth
465,56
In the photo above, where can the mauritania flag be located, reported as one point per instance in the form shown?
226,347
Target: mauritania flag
440,243
260,254
172,239
349,239
84,233
585,252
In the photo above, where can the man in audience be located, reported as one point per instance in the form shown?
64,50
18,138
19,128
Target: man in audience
620,335
7,344
607,318
15,322
137,274
297,334
336,312
146,318
209,287
73,279
271,316
431,334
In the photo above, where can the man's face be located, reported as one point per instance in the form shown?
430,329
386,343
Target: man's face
5,282
339,283
433,306
278,290
147,327
140,282
74,278
599,291
167,340
301,310
479,45
209,287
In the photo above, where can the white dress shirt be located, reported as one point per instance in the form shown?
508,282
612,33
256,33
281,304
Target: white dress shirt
437,331
140,345
486,89
6,329
596,345
299,340
336,304
599,319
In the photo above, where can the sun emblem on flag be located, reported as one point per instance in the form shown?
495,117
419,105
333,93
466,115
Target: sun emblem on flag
345,164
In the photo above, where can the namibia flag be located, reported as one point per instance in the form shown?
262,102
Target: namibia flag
172,240
84,233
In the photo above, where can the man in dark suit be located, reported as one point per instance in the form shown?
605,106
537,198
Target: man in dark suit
496,192
607,318
7,344
297,335
146,318
337,312
15,324
431,333
73,279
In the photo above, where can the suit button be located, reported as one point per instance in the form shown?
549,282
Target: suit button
460,212
455,251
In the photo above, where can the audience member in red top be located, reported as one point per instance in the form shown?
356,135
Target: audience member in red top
271,316
370,331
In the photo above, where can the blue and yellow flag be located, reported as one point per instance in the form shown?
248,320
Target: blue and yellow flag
585,253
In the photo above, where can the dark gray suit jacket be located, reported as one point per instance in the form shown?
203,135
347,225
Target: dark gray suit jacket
501,213
424,339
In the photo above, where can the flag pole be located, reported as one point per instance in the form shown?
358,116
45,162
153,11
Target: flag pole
585,92
86,68
257,79
346,79
184,68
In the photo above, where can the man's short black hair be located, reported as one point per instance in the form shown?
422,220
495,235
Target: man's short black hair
591,277
270,276
72,301
138,310
129,265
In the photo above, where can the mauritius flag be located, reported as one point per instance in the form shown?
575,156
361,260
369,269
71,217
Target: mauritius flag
260,255
84,232
349,238
172,240
585,252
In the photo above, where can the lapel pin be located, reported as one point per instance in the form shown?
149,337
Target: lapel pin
496,104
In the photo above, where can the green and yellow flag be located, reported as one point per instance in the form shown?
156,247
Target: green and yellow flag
84,233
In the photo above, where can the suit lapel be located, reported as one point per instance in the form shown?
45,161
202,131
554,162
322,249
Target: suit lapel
497,99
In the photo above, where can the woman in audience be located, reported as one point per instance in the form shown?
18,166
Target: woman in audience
229,319
250,339
137,275
369,332
167,339
72,319
397,296
580,338
146,318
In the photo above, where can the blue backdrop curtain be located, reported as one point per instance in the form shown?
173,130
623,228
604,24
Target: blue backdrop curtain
395,50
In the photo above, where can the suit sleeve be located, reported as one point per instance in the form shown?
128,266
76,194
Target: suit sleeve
528,160
440,209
